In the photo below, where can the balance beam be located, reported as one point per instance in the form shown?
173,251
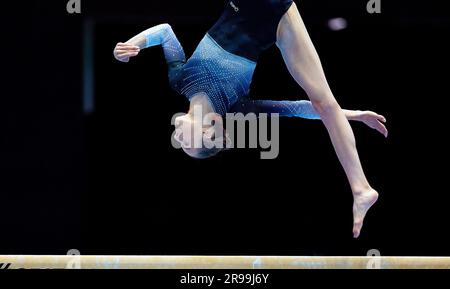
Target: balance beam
219,262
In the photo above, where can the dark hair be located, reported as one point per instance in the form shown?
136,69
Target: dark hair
202,153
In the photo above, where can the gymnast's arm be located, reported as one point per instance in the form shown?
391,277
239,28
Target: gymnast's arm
305,109
158,35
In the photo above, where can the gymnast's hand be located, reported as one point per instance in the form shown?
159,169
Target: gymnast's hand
373,120
123,51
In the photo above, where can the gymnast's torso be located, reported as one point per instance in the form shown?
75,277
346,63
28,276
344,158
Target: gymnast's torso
223,63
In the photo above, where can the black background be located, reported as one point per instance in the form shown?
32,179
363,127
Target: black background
110,182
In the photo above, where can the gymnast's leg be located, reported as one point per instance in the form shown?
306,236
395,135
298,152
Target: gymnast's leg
304,65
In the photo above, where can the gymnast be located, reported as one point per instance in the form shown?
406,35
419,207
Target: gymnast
218,75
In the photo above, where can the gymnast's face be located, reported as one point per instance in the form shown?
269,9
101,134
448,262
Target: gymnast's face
197,139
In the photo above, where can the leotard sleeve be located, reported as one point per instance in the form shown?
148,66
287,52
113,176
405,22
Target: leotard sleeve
161,35
300,108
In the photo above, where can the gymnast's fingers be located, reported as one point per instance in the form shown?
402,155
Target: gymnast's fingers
376,115
126,46
381,118
124,59
381,128
127,54
126,49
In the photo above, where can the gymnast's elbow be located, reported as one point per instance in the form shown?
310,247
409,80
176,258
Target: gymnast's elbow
166,27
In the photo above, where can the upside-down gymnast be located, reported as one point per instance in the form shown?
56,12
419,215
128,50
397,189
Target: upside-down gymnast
217,78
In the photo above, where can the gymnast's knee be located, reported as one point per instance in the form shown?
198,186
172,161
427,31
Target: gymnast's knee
325,106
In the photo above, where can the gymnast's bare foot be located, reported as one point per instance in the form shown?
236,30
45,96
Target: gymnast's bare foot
362,203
